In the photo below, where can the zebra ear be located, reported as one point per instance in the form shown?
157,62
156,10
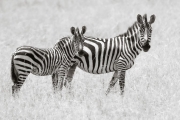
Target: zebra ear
152,19
73,30
83,30
139,19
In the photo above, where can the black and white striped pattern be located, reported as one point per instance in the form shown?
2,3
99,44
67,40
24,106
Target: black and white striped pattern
115,54
43,62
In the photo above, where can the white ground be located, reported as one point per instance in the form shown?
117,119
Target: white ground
152,84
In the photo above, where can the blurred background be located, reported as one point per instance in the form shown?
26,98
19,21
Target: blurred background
152,84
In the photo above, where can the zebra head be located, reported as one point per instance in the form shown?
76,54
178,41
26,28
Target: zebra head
78,39
145,30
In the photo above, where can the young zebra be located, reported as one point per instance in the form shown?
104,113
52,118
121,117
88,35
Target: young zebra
43,62
115,54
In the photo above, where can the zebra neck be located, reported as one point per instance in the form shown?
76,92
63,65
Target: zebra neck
136,34
132,40
72,48
68,50
65,48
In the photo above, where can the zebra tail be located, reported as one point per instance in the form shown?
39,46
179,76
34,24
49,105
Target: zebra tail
13,71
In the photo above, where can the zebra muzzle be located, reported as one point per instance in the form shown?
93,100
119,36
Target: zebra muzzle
80,53
146,47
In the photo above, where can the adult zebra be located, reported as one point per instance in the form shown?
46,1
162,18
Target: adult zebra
115,54
43,62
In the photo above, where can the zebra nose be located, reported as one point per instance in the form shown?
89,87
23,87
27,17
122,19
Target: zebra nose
146,47
80,53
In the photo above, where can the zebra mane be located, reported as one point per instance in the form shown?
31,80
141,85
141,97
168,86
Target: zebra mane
63,42
130,30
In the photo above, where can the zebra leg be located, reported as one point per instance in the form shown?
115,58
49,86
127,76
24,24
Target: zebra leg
19,74
122,81
60,83
57,82
121,70
15,90
61,73
112,82
69,76
18,84
54,81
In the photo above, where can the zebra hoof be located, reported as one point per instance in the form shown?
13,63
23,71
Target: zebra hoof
122,93
107,92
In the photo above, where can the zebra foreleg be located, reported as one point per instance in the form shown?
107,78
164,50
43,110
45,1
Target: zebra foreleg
121,70
61,73
55,81
112,82
60,83
69,77
122,81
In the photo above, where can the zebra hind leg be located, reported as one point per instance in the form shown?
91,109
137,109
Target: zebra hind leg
17,86
14,77
18,81
15,90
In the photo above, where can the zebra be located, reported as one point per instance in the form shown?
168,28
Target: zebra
115,54
42,62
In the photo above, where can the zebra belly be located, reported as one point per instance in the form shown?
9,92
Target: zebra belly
40,72
97,70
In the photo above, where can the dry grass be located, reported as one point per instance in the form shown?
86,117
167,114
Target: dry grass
152,84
